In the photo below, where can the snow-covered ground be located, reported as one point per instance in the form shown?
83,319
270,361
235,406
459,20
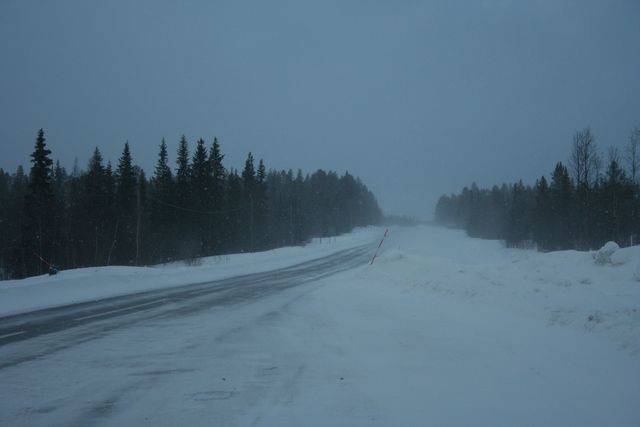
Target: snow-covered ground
442,330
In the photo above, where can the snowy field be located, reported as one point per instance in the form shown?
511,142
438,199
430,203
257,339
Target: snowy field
442,330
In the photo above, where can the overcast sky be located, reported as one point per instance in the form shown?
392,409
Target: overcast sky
418,98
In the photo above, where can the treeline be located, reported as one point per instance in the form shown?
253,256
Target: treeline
116,216
582,206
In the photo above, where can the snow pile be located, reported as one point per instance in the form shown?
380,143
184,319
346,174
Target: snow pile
610,253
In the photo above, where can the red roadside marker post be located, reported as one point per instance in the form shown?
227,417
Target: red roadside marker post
378,248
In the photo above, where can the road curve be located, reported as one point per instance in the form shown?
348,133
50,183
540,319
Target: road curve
174,301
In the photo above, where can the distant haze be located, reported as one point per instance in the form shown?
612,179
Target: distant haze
418,98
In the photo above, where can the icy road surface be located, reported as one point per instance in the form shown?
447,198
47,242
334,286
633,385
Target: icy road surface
442,330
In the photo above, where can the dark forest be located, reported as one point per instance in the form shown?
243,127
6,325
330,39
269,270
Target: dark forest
582,206
108,215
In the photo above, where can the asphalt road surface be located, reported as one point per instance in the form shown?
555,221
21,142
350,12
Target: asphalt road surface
97,318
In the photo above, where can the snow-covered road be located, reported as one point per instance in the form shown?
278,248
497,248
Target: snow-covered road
174,301
441,330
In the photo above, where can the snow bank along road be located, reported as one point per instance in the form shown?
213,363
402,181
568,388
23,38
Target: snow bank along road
442,330
185,299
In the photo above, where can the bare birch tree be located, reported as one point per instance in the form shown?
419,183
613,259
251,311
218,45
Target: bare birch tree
633,154
585,158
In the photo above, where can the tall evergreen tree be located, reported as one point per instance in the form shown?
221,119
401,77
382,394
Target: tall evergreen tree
235,216
39,206
183,172
20,258
249,199
218,172
562,209
126,192
189,241
201,183
519,219
217,191
60,213
260,207
163,175
542,229
162,215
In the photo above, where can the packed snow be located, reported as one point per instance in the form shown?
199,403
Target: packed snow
440,330
88,284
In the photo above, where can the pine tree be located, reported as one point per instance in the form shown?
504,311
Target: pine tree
518,220
162,228
542,226
201,183
260,207
19,257
249,208
201,175
183,173
562,209
235,215
163,176
112,219
218,188
60,214
39,206
219,173
142,217
126,183
126,193
5,228
188,242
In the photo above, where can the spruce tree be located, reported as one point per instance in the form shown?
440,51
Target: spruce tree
162,216
201,177
218,172
562,209
235,215
260,207
188,244
183,173
218,188
542,225
201,183
126,193
518,219
60,214
249,207
5,228
39,207
163,176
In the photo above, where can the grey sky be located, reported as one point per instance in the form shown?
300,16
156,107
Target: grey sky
417,98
